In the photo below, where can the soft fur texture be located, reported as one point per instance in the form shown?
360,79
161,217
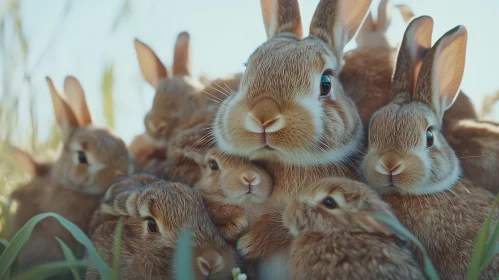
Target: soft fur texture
148,255
234,189
419,178
67,187
345,241
280,117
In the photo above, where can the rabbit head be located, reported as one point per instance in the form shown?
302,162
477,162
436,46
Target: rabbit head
174,92
231,179
373,31
92,157
155,212
336,204
290,106
407,152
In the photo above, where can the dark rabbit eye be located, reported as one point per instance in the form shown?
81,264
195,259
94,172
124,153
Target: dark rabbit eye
429,137
82,157
330,203
325,85
152,227
213,165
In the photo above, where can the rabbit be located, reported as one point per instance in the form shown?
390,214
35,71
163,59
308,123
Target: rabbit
372,33
336,237
145,152
154,213
181,100
90,160
291,113
410,163
235,190
367,74
475,143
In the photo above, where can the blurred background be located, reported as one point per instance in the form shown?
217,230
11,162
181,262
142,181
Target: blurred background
93,40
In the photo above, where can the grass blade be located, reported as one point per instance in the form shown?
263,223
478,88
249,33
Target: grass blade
70,257
429,269
117,250
480,251
183,257
107,85
45,271
3,244
23,235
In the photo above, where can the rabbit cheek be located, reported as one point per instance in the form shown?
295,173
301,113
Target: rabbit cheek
103,178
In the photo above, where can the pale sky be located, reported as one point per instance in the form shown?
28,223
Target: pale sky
223,34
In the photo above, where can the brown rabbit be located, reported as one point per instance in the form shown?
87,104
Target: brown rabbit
145,152
367,74
154,214
180,96
90,160
336,237
476,144
292,113
411,164
234,189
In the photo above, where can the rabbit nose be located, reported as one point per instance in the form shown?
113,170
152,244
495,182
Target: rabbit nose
250,178
264,117
390,165
274,124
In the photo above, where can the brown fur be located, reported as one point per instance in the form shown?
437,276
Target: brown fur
44,194
147,255
476,145
67,187
447,224
420,179
224,189
145,152
345,242
279,106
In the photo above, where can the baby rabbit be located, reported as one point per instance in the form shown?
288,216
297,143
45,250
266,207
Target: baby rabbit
234,189
91,158
155,213
372,33
335,236
301,123
411,164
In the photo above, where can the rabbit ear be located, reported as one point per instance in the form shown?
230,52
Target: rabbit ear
281,16
26,161
384,15
121,200
442,71
182,55
77,101
152,68
415,45
136,180
209,262
406,12
366,28
63,113
337,21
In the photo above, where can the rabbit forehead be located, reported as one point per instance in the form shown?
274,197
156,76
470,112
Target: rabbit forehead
101,143
286,67
174,92
400,126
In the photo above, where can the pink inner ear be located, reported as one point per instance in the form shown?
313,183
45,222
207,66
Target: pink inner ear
204,266
417,67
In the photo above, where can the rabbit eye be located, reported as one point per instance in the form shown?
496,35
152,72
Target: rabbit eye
325,85
330,203
82,157
152,227
213,165
429,137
